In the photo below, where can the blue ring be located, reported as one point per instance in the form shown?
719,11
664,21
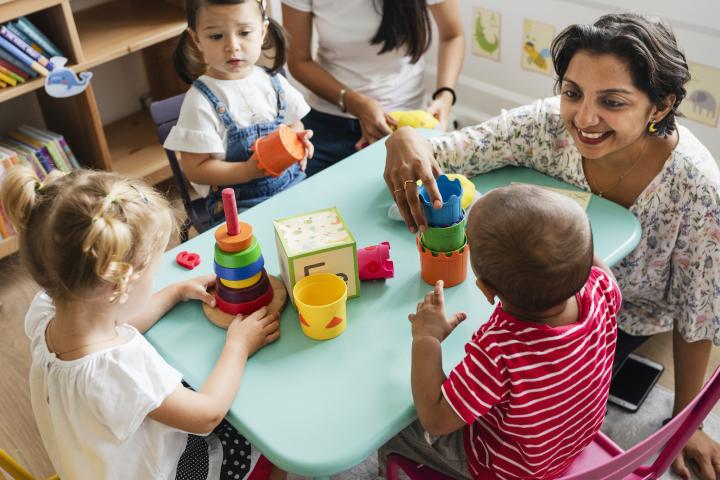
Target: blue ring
239,273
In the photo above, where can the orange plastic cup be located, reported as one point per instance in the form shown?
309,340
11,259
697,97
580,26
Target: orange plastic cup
450,267
279,150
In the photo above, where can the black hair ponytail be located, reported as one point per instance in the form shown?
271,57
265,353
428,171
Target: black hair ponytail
276,39
187,60
404,23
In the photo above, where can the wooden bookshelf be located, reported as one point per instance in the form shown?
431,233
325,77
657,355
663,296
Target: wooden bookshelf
92,37
135,149
114,29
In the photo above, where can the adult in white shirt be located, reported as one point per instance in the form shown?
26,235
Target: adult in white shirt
369,62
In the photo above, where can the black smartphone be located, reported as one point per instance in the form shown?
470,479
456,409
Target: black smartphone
633,381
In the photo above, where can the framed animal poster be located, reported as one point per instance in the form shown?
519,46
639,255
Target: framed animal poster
703,95
535,55
486,34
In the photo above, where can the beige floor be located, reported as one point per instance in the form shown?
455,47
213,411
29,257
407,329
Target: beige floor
18,434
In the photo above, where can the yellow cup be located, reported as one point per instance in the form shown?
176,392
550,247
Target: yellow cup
320,299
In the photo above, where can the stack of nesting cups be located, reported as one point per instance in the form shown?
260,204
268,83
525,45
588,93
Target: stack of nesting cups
242,285
443,247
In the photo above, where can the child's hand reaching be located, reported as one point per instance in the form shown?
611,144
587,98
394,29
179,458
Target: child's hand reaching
429,320
304,136
196,289
253,332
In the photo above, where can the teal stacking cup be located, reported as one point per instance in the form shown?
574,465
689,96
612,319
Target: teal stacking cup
445,239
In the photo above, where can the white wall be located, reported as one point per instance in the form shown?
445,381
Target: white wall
486,86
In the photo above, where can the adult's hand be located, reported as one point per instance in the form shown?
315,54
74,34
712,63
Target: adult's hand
375,123
702,453
410,158
440,109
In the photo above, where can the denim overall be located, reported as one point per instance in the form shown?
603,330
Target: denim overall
238,149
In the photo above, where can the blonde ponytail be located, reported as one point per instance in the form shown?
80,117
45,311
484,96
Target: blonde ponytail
19,195
86,230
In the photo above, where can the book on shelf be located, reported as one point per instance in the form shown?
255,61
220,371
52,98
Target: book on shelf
21,56
7,57
25,48
40,149
18,33
36,36
13,69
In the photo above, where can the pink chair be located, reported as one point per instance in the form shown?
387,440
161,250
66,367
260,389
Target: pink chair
602,459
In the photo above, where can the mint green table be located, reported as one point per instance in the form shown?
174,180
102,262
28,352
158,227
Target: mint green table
317,408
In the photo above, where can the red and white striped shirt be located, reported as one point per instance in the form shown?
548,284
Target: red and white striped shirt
534,396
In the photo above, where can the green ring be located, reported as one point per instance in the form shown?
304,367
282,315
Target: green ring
239,259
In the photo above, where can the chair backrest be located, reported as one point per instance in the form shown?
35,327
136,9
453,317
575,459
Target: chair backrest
12,468
165,114
668,441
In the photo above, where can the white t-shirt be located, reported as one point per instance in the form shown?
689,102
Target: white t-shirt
92,412
344,30
249,100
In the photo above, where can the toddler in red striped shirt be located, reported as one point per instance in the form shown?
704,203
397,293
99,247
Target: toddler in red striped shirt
530,393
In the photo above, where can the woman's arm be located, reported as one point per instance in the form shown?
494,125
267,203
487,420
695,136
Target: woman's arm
690,360
374,122
451,53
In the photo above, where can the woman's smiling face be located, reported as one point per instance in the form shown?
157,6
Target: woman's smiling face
603,110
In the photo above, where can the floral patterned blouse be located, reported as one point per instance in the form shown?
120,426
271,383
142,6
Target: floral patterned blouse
674,273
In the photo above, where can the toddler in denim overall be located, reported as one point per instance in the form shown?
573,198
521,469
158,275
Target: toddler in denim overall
238,149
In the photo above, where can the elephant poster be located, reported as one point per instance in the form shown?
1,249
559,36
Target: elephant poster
703,95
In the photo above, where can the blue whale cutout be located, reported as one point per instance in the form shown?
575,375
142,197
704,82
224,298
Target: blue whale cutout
62,82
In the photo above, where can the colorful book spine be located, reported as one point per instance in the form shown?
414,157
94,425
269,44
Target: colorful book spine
12,68
3,84
23,149
37,36
17,63
52,141
24,47
40,150
5,78
24,38
13,75
23,57
69,153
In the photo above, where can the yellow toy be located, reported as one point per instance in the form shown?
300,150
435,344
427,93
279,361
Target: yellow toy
414,118
468,189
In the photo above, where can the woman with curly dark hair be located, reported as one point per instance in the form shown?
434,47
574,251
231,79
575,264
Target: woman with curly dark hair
612,131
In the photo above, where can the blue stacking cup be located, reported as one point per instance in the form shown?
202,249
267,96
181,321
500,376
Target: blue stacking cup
451,211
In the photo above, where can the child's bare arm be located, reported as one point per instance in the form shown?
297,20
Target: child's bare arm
161,302
202,169
429,328
597,262
200,412
427,376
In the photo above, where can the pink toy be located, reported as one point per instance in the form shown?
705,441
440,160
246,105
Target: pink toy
187,259
374,262
231,214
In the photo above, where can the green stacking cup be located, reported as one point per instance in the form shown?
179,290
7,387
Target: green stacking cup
445,239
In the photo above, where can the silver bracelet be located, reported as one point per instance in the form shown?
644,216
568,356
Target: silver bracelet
341,100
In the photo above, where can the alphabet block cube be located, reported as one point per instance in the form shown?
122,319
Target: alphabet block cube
316,242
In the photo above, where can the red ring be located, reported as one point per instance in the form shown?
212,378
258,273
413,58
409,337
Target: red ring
245,308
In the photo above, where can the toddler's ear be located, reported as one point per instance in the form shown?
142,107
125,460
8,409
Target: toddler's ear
489,292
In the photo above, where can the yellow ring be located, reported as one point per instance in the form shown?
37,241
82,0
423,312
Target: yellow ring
248,282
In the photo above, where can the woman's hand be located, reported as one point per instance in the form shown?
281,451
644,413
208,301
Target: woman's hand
253,332
704,455
196,289
440,108
410,158
375,123
304,136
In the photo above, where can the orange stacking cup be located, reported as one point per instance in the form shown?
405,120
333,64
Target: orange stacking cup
450,267
279,150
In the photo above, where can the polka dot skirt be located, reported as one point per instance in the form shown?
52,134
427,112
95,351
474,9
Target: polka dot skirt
236,458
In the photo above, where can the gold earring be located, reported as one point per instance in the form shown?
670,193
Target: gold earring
651,127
